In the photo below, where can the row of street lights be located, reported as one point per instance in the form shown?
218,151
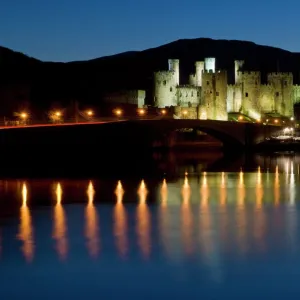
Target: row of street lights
58,114
275,121
141,112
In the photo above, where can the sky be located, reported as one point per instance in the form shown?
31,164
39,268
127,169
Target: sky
68,30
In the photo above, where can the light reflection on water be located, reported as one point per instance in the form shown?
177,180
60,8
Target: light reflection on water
208,221
92,227
216,197
60,225
120,223
26,228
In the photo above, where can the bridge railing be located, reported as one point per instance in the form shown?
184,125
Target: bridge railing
71,121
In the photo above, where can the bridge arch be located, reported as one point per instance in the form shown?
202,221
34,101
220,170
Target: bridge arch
231,134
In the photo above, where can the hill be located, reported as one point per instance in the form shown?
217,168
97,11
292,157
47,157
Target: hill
25,79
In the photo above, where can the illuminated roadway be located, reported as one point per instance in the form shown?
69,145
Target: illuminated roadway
59,124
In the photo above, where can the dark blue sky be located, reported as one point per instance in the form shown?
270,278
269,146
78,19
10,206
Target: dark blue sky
65,30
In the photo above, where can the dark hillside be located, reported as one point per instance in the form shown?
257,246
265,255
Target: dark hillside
88,81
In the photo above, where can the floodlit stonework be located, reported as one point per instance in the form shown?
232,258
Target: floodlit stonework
209,96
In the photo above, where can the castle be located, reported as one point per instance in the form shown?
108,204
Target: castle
209,96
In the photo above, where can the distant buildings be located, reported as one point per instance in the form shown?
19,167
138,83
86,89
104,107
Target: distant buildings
209,96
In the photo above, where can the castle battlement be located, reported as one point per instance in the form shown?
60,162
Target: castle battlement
252,73
164,73
280,74
188,86
162,76
208,71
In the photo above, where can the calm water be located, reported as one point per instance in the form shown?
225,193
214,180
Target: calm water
201,235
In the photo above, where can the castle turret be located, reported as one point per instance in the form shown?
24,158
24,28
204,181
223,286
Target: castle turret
214,95
174,67
210,64
238,65
251,82
282,84
199,71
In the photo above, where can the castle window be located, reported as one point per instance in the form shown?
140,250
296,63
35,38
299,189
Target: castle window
277,94
285,83
192,95
198,94
207,82
211,92
217,93
187,95
165,82
171,89
246,95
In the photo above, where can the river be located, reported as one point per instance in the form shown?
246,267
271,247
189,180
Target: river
204,230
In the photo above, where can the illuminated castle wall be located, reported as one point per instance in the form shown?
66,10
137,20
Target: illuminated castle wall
213,98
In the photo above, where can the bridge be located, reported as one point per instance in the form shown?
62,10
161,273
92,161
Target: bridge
231,134
105,146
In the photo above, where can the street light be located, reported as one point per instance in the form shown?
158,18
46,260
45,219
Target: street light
58,113
24,116
90,113
163,112
141,112
118,112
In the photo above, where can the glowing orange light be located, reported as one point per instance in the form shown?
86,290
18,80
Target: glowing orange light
58,113
141,112
241,118
118,112
185,112
119,192
163,112
90,113
276,121
24,115
26,228
142,192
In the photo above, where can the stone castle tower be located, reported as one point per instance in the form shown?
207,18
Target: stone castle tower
209,93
